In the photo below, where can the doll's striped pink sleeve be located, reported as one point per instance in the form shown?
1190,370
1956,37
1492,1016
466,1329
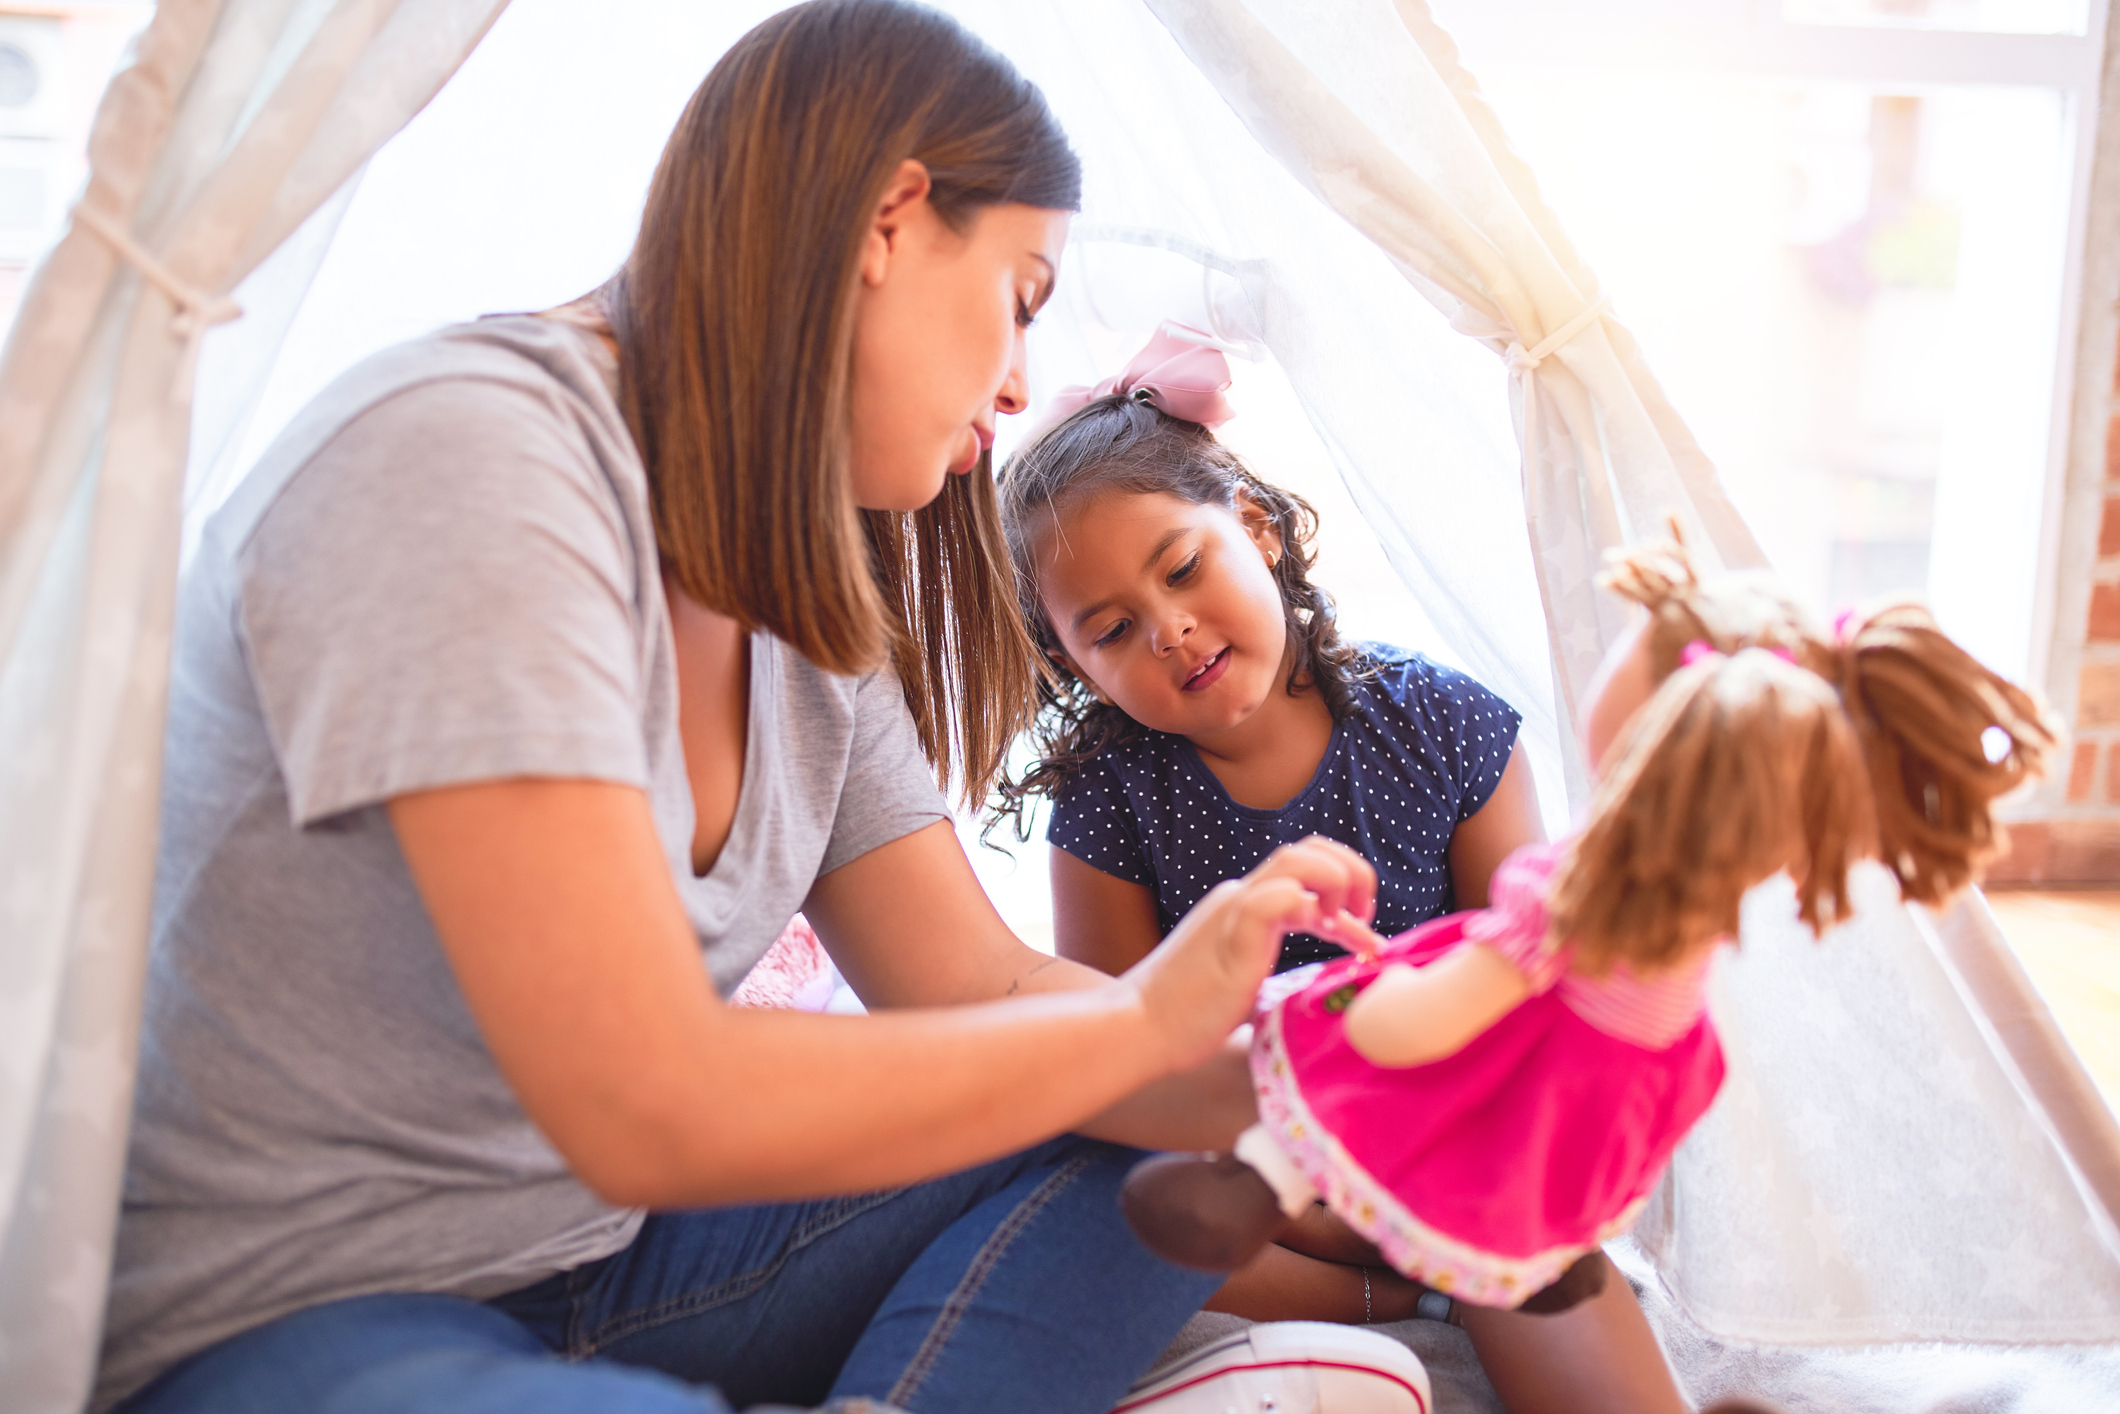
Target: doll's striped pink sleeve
1514,921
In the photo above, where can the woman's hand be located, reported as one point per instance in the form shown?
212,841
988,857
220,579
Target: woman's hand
1199,985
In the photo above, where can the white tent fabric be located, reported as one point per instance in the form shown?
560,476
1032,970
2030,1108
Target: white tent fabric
1320,185
231,125
1374,115
1883,1165
1915,1175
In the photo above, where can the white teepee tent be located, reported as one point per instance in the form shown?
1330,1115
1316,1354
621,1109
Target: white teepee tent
1908,1150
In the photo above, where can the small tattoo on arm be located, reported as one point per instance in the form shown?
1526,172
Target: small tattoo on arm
1017,985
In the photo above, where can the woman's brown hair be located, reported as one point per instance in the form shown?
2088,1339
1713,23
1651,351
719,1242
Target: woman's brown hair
1941,736
734,318
1735,769
1119,443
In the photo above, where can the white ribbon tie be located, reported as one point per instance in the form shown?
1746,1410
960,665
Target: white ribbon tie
197,310
1524,360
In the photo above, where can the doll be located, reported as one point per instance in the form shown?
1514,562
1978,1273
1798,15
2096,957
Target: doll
1492,1095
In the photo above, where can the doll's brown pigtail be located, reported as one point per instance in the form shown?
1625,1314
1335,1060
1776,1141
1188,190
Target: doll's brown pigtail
1927,713
1737,768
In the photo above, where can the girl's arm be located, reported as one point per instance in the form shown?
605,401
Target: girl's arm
1414,1015
1100,920
1509,820
554,904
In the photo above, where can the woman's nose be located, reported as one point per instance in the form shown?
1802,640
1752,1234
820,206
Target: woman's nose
1015,394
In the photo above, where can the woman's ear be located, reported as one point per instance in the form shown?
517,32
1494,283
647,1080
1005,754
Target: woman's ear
1067,665
1258,524
904,200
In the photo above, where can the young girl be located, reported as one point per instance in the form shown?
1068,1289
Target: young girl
1208,709
1204,710
1489,1097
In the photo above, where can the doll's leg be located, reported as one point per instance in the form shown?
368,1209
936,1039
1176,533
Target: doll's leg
1214,1212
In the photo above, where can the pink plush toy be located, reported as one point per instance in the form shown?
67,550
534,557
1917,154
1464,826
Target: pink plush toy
795,973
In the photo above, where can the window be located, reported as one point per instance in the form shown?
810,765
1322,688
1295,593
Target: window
1846,233
54,62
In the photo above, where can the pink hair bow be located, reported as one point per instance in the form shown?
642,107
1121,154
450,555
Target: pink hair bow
1180,370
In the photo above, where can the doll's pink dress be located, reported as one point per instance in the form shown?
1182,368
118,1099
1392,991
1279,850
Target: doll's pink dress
1486,1173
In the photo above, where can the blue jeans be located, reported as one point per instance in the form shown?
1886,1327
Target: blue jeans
1012,1286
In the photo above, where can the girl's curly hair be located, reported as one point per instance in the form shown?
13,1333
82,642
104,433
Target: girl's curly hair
1125,444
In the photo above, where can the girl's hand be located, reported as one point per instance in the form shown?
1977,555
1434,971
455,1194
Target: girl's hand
1199,984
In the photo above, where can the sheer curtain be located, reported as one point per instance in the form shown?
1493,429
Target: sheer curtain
1323,187
231,125
1393,136
1906,1150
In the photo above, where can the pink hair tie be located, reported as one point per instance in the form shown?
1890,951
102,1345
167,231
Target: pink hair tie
1180,371
1845,626
1700,648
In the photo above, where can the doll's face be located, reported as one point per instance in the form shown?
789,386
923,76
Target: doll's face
1166,608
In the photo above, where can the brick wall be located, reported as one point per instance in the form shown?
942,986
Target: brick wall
2073,835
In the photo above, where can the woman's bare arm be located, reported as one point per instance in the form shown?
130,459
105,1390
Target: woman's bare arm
910,925
1509,820
554,904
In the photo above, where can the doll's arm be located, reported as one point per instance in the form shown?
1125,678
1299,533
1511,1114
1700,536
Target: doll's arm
1411,1016
1623,682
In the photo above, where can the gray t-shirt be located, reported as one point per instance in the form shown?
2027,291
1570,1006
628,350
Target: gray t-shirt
444,571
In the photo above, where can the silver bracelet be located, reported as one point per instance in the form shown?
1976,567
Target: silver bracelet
1368,1315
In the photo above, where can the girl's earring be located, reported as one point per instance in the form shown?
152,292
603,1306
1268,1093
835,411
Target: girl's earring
1273,559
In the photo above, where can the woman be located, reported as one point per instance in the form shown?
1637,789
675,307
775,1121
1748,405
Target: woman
542,659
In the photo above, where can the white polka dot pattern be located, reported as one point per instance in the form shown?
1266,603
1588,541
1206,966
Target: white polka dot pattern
1423,750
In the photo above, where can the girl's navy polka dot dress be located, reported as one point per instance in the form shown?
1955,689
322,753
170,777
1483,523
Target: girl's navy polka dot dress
1423,750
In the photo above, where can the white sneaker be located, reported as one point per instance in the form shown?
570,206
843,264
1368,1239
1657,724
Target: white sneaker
1287,1367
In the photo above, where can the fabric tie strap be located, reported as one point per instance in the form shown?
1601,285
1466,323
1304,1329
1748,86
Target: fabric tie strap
1180,371
197,310
1524,360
